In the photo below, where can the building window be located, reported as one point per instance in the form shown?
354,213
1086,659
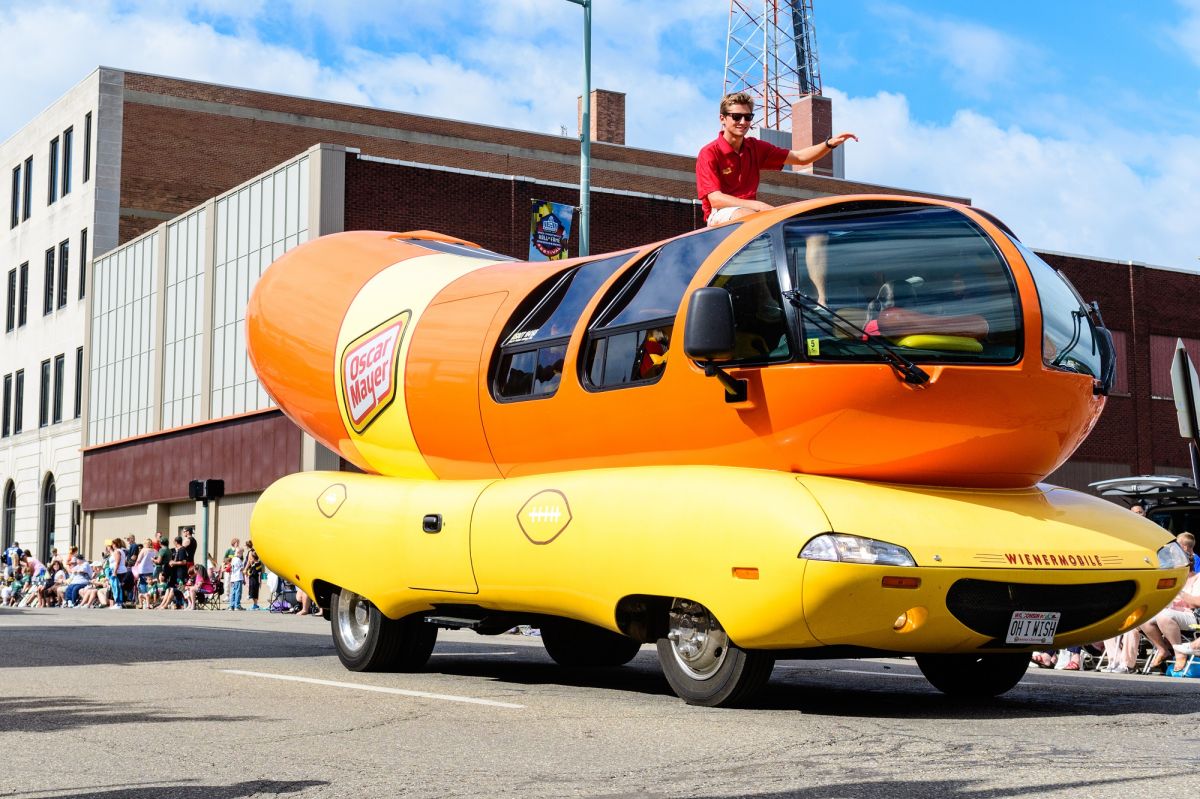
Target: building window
44,396
27,193
87,146
16,196
6,424
52,172
1162,356
18,401
23,295
60,364
67,140
10,514
83,259
64,253
48,294
49,498
78,382
10,317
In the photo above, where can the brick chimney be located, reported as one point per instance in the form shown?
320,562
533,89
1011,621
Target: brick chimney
812,122
608,116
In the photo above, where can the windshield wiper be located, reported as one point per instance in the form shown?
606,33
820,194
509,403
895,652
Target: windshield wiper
908,371
1077,317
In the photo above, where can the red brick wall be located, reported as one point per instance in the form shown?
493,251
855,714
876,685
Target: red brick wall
1137,430
174,159
248,453
494,212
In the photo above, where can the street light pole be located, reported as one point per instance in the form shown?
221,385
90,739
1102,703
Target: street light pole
585,139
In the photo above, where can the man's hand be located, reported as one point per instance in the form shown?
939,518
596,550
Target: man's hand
807,155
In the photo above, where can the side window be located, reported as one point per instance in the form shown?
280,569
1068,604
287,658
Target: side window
530,360
629,341
760,324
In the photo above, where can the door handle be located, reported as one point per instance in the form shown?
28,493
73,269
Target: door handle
432,523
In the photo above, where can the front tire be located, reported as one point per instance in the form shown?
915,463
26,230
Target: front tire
578,645
367,640
702,666
974,676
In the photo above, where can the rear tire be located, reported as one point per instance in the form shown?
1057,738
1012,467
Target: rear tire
974,676
367,640
575,644
702,666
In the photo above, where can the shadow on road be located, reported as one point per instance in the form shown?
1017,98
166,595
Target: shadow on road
944,789
126,644
185,791
51,714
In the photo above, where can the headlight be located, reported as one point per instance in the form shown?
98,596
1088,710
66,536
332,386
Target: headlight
855,549
1172,556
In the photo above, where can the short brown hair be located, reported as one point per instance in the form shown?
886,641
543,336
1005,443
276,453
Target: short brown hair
737,98
1187,537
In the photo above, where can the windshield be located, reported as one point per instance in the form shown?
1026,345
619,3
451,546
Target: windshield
1068,341
923,279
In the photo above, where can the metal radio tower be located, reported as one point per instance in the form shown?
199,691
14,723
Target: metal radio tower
771,53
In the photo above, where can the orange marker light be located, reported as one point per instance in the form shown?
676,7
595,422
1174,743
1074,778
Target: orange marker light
901,582
1167,582
745,572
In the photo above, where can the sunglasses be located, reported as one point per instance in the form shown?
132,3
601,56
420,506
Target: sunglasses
740,117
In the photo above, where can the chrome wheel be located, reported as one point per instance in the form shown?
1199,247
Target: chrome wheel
698,642
353,620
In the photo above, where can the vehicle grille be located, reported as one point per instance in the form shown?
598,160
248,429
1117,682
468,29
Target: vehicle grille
987,607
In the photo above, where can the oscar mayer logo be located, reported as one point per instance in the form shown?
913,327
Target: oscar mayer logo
368,371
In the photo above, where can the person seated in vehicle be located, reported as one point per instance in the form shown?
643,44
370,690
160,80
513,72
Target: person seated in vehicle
652,354
896,313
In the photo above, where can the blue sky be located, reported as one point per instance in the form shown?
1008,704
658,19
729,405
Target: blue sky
1076,121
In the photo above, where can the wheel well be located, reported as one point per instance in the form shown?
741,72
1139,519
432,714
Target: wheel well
643,617
323,592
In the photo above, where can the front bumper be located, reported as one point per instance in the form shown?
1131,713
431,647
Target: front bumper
966,610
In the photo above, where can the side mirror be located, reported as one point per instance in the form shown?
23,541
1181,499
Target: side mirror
708,337
1108,359
709,333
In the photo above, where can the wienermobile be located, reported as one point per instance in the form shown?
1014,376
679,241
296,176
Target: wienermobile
818,431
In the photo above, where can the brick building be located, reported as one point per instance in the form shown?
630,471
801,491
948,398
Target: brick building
198,187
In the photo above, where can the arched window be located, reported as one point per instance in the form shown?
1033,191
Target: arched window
627,343
48,500
8,522
529,362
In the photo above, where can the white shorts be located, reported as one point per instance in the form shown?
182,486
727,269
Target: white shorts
1184,618
720,215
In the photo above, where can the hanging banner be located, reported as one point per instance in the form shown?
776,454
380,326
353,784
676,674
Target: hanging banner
549,230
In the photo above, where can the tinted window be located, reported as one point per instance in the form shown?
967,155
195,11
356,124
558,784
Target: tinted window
457,249
659,287
530,361
923,278
760,324
1067,340
568,294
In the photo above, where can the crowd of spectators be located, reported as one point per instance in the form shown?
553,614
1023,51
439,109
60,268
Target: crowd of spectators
153,575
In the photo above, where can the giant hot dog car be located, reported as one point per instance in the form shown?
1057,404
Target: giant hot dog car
819,430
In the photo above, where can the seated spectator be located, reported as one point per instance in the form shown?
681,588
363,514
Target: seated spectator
1166,629
80,576
201,587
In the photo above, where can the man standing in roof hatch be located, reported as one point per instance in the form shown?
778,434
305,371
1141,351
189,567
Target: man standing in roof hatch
728,168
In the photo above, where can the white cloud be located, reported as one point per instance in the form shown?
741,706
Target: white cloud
1074,195
1186,33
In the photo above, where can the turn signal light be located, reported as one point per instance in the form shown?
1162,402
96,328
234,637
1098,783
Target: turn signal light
901,582
1167,582
745,572
1132,619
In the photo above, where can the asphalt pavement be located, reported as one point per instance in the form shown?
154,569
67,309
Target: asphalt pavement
101,704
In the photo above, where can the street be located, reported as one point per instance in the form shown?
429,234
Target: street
217,705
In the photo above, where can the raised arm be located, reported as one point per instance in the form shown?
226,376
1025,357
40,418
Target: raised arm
817,151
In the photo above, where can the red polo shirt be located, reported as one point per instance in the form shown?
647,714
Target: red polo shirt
720,168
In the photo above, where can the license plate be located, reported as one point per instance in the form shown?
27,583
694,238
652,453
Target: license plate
1032,627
